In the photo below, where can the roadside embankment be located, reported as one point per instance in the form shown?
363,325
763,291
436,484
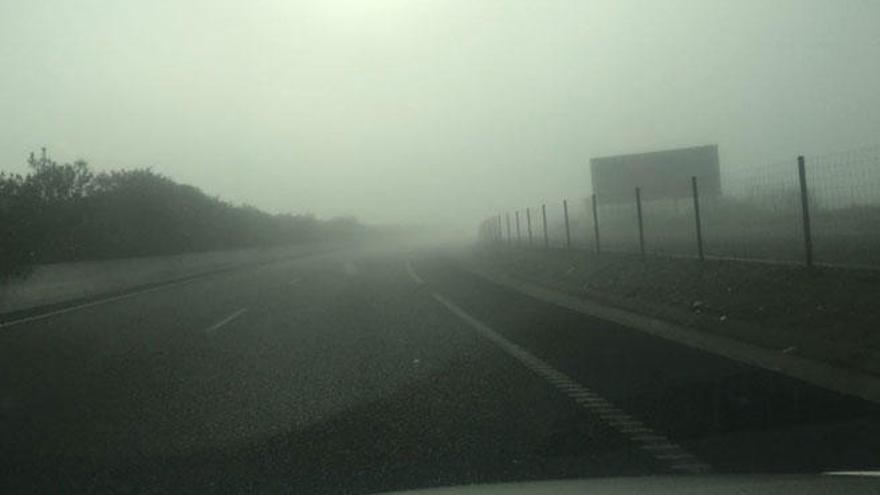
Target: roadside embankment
59,283
825,314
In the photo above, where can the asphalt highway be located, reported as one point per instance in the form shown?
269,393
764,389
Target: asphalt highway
369,370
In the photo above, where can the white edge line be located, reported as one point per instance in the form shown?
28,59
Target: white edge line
216,326
657,445
873,474
190,278
98,302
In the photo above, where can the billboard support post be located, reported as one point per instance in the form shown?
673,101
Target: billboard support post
641,224
546,235
697,217
567,228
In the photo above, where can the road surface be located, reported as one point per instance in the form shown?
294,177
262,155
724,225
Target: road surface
368,370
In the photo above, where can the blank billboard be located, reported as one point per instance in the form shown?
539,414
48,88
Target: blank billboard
660,174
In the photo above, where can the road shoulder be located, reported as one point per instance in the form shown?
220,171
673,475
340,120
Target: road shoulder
818,373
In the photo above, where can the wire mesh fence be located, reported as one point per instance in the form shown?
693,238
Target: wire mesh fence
825,209
758,216
580,223
845,206
556,223
618,225
669,227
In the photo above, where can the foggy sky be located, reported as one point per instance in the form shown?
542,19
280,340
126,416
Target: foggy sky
408,111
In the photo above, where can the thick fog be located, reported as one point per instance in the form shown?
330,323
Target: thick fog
428,112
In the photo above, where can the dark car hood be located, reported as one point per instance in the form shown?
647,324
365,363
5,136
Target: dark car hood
722,485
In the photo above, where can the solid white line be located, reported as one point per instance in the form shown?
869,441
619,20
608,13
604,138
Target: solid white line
853,473
762,261
216,326
412,273
98,302
657,445
188,279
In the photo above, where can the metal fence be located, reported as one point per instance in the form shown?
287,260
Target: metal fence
815,210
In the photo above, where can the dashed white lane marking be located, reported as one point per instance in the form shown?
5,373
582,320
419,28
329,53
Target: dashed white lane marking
216,326
648,438
412,273
634,432
660,447
294,281
350,268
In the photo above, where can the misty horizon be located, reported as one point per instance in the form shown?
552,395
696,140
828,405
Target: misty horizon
428,112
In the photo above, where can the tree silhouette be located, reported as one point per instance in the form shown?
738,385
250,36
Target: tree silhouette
65,212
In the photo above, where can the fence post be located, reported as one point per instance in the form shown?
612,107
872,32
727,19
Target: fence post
641,225
567,229
509,237
697,217
546,235
499,229
529,224
596,224
518,232
805,207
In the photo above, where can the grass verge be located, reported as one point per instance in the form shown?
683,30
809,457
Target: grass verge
828,314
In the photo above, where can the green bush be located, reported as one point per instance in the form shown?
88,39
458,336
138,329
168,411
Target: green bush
65,212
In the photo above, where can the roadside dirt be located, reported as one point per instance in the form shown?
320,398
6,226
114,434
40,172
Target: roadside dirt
829,314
